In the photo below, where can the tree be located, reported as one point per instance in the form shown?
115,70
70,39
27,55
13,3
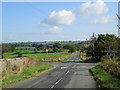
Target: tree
105,42
19,54
72,48
6,47
41,46
66,46
57,47
35,47
77,47
118,43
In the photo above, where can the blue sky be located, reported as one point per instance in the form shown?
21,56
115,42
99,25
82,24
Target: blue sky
51,21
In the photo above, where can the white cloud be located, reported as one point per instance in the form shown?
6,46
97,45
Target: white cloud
104,19
54,30
62,17
87,9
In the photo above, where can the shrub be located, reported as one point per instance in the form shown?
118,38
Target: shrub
19,54
111,65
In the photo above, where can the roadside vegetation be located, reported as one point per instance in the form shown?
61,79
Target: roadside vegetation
29,71
85,56
105,49
104,79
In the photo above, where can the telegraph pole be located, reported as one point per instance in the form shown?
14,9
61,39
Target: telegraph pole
47,54
93,37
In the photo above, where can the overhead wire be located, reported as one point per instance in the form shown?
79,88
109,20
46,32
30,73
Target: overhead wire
37,9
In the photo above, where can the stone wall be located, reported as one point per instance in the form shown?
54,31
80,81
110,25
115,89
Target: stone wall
14,65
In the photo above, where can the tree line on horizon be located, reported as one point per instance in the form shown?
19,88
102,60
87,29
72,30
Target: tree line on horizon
36,47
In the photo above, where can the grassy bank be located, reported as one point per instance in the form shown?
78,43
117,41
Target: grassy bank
104,79
28,72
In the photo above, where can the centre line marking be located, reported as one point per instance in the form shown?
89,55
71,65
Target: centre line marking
58,81
51,87
67,72
55,83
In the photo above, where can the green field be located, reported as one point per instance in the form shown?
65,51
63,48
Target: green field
43,57
51,57
22,47
9,55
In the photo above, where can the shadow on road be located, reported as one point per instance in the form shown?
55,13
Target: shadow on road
91,60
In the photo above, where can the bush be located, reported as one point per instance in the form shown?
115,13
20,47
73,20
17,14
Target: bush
19,54
111,66
35,52
105,80
72,48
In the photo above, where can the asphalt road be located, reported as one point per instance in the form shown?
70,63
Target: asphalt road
71,74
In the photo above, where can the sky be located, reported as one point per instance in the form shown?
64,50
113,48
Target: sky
57,21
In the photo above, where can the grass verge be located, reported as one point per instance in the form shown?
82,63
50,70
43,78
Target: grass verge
104,79
28,72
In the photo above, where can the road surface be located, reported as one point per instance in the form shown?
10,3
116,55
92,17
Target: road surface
71,74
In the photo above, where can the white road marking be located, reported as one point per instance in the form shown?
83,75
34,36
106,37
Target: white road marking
63,67
67,72
52,87
56,83
59,79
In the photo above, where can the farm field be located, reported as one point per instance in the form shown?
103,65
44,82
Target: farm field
41,57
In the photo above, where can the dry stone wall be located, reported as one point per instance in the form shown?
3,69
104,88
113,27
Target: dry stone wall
14,65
